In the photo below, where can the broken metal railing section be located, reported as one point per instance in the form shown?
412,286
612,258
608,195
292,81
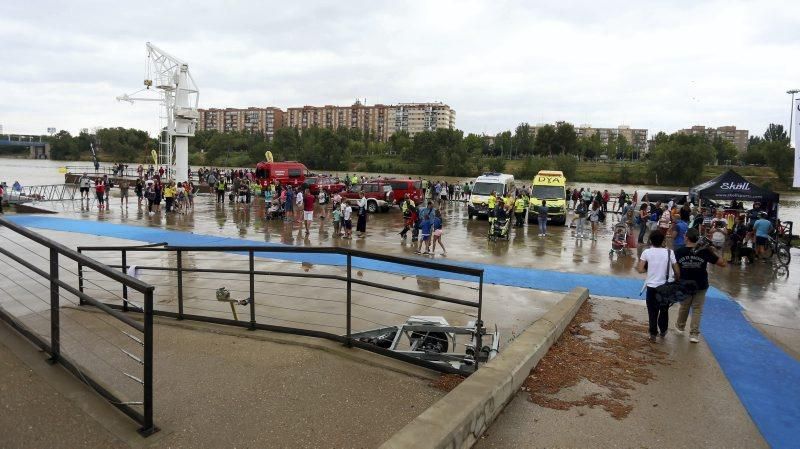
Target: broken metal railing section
355,339
53,347
47,192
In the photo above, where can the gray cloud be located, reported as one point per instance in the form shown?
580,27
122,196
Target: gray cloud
660,65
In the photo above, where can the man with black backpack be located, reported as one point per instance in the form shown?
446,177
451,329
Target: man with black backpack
693,260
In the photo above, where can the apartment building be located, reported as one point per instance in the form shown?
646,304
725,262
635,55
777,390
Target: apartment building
369,119
379,120
738,137
637,137
255,120
418,117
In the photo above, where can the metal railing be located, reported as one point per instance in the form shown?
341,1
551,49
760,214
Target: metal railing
103,170
20,251
46,192
181,268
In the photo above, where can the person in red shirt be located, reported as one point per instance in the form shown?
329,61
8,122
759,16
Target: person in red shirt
606,198
100,191
308,208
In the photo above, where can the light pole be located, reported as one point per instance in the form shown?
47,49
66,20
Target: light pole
791,112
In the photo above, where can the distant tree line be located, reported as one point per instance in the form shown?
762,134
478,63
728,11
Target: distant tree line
675,159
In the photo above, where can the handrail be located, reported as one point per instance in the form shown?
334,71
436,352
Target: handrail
136,284
54,347
100,305
457,269
347,254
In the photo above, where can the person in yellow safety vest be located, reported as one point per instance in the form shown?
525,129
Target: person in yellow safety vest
354,180
405,205
169,195
491,203
519,211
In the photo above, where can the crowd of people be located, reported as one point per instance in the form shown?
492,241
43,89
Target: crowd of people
150,191
742,233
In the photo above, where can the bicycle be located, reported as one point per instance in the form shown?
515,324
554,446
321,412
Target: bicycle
777,247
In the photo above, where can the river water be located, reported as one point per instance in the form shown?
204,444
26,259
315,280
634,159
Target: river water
36,172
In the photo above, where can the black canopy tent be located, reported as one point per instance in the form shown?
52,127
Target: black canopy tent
732,186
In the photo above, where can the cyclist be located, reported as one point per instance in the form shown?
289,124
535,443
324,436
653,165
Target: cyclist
762,228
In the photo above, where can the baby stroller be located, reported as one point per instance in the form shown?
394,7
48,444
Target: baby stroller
499,228
275,211
619,241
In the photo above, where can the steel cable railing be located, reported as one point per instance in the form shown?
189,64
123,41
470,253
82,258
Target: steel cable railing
60,288
188,278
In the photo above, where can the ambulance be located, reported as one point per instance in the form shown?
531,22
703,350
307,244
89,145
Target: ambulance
549,185
500,183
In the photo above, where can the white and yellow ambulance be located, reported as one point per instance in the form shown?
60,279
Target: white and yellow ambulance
549,185
500,183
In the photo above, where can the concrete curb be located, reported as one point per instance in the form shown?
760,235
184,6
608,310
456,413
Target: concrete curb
457,420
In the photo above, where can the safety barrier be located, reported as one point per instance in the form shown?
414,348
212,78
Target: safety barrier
347,299
100,349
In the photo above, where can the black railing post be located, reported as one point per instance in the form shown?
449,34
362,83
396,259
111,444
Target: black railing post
252,291
80,278
479,324
147,426
55,322
349,299
124,286
180,284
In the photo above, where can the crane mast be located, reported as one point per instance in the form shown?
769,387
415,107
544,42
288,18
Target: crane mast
179,98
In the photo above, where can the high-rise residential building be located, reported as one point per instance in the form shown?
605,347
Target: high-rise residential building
738,137
369,119
254,120
380,120
637,137
418,117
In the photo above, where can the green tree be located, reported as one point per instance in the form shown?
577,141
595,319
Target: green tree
623,149
724,150
495,164
590,147
399,142
680,160
566,163
523,140
503,143
753,141
545,140
286,143
565,140
780,157
120,144
776,133
532,166
63,146
474,144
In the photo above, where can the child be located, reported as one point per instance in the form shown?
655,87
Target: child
437,233
348,224
425,228
337,215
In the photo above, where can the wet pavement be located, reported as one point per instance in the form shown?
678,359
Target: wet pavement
770,296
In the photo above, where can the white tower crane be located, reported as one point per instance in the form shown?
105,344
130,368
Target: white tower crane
178,98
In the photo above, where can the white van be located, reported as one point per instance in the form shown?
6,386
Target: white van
500,183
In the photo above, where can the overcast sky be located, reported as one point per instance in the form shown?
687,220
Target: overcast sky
661,66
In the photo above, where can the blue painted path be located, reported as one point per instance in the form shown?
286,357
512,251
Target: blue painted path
766,379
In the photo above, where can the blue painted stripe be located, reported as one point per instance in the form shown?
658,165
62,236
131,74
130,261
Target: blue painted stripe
766,379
